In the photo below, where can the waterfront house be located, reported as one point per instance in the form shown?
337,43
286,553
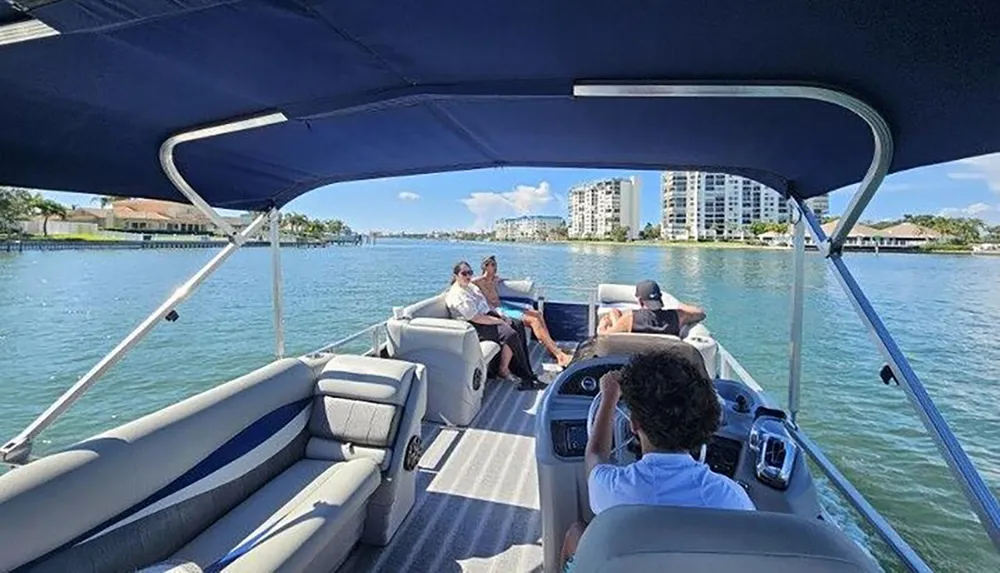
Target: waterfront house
901,236
146,215
908,235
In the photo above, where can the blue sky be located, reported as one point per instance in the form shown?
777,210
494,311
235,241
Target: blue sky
474,199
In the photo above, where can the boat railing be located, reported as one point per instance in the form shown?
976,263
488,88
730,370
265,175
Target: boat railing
731,369
374,333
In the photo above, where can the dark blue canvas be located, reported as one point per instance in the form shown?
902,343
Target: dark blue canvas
380,89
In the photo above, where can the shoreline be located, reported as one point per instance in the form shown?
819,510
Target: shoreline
742,246
101,244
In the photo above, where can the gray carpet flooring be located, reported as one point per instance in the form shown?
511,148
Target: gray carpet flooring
477,507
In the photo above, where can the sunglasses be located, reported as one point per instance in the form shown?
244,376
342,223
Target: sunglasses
466,273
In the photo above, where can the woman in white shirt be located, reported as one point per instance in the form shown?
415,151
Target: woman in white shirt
466,302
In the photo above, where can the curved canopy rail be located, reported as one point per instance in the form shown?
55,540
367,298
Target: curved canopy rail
328,91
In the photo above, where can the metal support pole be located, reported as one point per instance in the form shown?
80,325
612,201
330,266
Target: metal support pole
970,482
173,173
20,446
279,325
798,301
592,314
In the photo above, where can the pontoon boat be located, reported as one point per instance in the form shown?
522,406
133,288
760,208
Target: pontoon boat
410,458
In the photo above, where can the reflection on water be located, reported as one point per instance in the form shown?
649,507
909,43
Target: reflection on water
60,311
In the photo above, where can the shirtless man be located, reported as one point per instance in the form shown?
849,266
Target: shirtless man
651,317
529,316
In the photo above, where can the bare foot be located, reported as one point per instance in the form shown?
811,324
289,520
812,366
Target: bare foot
504,375
563,359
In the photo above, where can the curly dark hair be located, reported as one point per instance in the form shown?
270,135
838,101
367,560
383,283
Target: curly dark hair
674,404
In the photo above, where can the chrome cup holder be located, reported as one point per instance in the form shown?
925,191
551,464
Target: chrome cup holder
774,451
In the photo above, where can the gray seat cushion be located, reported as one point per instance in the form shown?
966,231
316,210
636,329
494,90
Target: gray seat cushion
366,378
650,539
433,307
490,350
306,519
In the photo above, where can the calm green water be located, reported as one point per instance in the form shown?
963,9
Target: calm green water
61,311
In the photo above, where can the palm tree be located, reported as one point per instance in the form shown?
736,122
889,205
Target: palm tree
336,227
294,222
48,208
105,200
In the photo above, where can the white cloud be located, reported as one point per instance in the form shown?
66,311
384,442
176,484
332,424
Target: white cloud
488,206
988,213
985,168
408,196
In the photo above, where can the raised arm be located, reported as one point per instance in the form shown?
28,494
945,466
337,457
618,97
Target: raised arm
689,314
599,444
622,323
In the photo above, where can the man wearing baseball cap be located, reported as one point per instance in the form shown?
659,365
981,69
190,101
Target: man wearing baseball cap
651,317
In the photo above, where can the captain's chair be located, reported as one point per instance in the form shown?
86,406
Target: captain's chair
701,351
652,539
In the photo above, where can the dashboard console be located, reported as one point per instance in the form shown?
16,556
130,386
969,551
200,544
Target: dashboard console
751,446
579,385
569,440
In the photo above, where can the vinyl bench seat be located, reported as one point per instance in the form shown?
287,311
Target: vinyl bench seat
314,508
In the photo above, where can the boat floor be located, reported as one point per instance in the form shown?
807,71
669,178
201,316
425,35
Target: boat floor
477,506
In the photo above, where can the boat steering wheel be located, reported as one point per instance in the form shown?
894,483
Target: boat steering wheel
623,441
621,431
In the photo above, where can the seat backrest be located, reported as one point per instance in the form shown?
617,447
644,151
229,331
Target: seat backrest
517,289
453,356
623,296
628,343
433,307
358,407
174,471
653,539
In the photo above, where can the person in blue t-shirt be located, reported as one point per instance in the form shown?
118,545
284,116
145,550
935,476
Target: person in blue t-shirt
674,410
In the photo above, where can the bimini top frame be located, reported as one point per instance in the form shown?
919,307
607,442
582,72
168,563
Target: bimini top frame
979,496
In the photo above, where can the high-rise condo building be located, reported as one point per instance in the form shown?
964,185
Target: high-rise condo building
598,208
700,205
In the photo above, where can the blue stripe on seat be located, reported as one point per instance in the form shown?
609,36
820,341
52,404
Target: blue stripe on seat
249,438
519,300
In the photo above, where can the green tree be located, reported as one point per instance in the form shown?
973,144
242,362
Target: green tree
650,232
338,227
15,206
758,228
619,234
294,222
47,208
314,228
105,200
561,232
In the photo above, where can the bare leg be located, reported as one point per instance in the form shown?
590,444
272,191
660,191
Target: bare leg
536,323
505,355
571,541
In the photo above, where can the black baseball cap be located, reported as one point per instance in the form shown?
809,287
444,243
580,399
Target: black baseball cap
648,291
488,260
